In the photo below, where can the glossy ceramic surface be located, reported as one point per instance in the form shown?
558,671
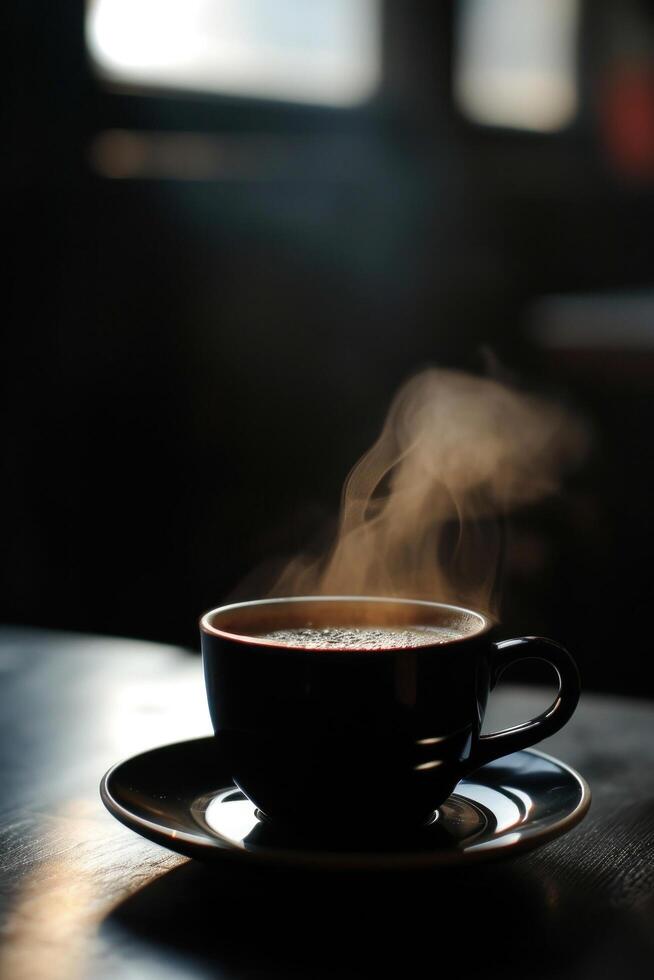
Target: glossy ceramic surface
300,722
174,796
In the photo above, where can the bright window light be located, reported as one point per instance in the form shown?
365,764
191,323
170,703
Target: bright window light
516,62
314,51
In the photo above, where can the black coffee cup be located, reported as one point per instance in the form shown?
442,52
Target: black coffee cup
343,737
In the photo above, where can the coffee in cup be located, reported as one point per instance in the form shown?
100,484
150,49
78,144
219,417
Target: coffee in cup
347,710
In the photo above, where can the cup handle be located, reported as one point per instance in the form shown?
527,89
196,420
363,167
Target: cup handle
507,652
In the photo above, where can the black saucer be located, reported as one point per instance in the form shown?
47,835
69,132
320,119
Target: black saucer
176,796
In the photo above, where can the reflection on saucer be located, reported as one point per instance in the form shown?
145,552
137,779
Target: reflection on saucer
181,796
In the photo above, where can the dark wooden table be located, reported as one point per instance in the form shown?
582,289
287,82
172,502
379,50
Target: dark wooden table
83,897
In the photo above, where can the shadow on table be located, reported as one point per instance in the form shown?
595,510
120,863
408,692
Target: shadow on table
272,923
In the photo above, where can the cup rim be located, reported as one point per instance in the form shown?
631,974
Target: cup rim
208,628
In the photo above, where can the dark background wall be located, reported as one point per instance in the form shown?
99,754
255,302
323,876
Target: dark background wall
191,366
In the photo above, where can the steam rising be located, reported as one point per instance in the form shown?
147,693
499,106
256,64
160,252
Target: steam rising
422,510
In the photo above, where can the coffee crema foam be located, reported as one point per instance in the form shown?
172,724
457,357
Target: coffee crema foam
364,637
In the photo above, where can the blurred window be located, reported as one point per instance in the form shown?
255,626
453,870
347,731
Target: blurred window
516,62
322,52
